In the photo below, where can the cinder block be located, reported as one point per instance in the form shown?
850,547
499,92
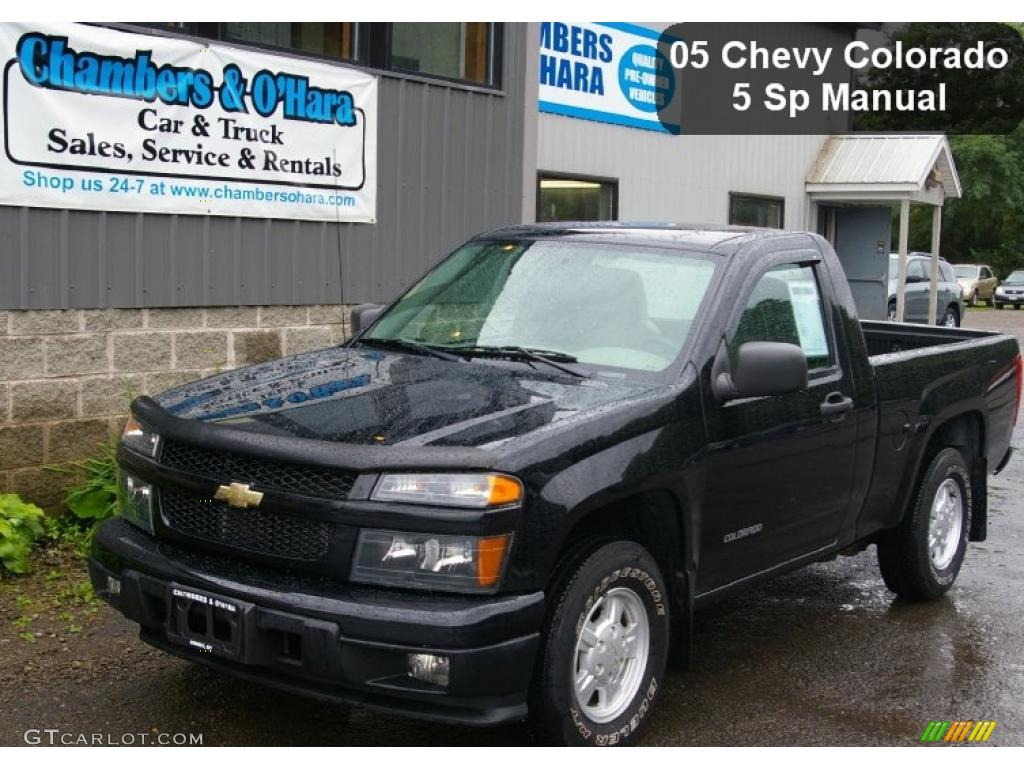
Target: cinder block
339,333
200,349
21,358
161,382
21,446
279,317
35,322
108,395
113,319
257,346
44,400
43,487
138,352
328,314
299,340
176,317
72,440
75,355
231,317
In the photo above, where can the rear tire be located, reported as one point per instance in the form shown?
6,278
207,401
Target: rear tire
604,650
921,558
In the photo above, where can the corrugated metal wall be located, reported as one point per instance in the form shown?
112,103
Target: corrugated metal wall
681,178
450,164
688,178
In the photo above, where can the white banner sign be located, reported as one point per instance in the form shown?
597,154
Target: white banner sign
611,72
105,120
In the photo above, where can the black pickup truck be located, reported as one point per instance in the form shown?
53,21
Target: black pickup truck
505,496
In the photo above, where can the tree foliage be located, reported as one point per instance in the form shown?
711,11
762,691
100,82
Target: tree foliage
978,101
986,225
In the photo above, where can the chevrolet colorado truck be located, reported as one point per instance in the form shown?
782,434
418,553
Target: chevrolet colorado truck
505,496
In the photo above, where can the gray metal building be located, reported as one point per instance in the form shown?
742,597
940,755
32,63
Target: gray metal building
450,164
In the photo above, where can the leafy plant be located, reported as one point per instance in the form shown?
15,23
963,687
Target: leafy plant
21,524
95,498
68,532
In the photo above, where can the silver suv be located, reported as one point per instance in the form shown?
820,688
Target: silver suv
949,305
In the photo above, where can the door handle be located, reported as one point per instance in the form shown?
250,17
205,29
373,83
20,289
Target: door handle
836,404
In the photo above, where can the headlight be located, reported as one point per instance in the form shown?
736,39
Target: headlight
475,491
430,561
136,501
139,438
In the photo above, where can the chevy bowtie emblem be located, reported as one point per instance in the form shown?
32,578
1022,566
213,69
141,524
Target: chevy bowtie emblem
238,495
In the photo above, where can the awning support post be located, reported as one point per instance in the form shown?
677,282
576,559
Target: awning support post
933,288
901,272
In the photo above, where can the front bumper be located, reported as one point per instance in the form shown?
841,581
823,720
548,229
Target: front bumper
328,639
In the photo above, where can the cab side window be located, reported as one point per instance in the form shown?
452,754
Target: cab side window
915,268
786,306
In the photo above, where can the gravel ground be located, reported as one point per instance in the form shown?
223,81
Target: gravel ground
823,656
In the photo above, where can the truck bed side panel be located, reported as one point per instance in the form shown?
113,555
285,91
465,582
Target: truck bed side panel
922,389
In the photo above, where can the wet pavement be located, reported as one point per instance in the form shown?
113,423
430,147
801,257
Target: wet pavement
823,656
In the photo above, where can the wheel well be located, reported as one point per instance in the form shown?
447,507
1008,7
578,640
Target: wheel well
965,432
651,519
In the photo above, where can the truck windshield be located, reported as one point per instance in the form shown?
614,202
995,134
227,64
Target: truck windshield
606,305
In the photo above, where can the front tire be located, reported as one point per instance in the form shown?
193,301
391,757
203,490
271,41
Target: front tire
921,558
604,650
951,318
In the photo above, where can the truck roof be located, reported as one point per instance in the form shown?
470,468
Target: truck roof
721,238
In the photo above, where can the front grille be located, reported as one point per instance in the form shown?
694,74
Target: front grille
250,530
264,474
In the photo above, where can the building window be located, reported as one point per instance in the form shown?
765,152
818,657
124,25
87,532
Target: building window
756,210
576,198
334,39
453,50
467,52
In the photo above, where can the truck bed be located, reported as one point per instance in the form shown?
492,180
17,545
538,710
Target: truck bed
921,372
885,338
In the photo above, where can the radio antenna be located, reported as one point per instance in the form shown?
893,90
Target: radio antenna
337,227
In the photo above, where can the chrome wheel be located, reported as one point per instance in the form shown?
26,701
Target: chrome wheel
612,647
945,524
950,319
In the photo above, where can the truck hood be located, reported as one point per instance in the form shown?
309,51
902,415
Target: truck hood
367,397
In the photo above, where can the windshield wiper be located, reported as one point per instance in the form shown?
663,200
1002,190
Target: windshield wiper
548,357
413,346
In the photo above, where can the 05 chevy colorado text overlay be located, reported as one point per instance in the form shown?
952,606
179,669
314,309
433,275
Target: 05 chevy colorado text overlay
960,78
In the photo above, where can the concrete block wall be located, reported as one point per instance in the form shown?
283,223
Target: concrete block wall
67,376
